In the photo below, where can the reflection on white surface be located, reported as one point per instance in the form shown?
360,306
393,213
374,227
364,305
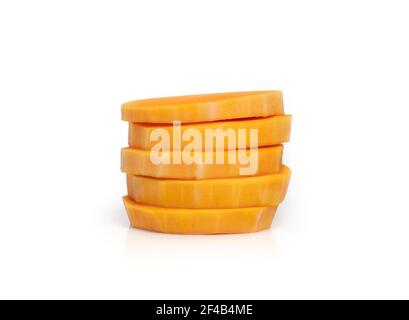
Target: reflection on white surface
144,244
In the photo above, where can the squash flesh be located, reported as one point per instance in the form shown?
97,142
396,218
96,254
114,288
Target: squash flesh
138,162
199,221
271,131
205,107
259,191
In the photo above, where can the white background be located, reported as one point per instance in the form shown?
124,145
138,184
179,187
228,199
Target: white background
65,68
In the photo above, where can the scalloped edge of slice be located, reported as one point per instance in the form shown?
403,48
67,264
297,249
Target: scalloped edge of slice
204,107
199,221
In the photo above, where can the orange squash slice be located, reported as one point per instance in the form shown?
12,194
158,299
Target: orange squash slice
271,131
204,107
199,221
138,162
259,191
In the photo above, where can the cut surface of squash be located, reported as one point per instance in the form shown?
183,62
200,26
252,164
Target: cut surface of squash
204,107
271,131
199,221
259,191
138,162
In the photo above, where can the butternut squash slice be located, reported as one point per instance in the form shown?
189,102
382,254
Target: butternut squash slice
204,107
199,221
138,162
271,131
260,191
